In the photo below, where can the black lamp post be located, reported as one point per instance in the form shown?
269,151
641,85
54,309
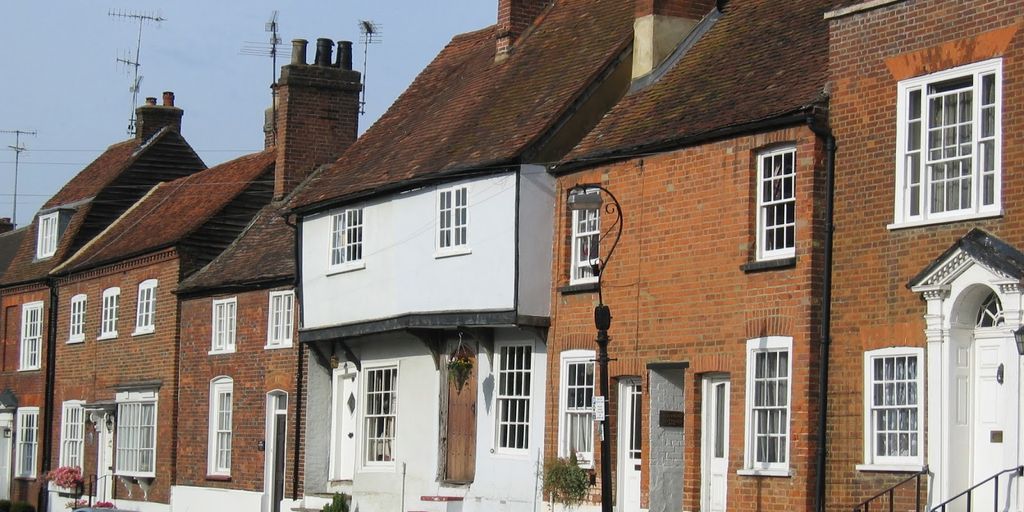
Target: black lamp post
1018,338
588,197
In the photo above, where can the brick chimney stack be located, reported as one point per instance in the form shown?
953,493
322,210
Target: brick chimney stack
659,26
317,111
150,118
6,224
514,17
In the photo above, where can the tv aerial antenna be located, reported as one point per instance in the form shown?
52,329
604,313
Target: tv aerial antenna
18,147
268,49
371,34
133,63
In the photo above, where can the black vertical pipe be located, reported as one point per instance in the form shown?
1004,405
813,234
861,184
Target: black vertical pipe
826,308
300,365
51,372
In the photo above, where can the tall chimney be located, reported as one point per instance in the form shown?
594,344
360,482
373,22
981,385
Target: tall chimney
659,26
514,17
6,224
317,112
150,117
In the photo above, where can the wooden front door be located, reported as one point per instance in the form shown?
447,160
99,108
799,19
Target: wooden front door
460,463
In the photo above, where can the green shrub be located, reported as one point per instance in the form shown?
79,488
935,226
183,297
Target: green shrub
22,506
565,481
5,505
339,503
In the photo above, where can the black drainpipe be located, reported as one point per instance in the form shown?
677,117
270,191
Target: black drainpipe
826,307
51,373
300,366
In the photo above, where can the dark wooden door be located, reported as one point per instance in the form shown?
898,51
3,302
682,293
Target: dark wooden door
279,430
461,454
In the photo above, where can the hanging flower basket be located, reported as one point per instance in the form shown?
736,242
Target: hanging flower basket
69,480
460,367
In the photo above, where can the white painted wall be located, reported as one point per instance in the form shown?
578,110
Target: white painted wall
196,499
402,272
536,236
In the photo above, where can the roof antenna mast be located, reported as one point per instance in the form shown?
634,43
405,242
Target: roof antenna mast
371,34
264,50
18,148
133,63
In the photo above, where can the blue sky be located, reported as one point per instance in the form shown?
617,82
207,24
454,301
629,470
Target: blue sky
60,77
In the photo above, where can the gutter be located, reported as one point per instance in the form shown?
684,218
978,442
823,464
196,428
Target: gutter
300,367
826,307
51,374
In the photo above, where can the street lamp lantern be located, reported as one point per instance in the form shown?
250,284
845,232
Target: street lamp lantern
1018,338
588,197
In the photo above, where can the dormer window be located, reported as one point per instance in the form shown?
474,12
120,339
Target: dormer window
46,241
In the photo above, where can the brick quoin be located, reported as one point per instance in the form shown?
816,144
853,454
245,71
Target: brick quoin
872,306
255,371
677,293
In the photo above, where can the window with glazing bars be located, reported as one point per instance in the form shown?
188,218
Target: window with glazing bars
771,407
453,218
31,335
578,410
514,392
221,392
108,316
280,318
72,434
347,237
136,438
380,414
895,406
76,329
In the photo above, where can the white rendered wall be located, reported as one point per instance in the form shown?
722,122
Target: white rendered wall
197,499
402,272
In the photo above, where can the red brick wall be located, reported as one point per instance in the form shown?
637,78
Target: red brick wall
93,370
255,371
677,293
27,386
872,307
514,16
692,9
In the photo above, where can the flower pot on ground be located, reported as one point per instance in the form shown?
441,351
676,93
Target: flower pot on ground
565,482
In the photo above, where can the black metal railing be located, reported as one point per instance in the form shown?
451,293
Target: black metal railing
890,495
1017,471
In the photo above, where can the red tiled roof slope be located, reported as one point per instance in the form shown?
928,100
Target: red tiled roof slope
263,252
761,59
98,174
466,111
172,210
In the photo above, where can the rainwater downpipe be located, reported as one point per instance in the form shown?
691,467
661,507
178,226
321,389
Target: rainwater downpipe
826,307
51,374
300,366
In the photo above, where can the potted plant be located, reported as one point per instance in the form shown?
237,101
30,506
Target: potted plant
68,479
460,367
339,503
565,481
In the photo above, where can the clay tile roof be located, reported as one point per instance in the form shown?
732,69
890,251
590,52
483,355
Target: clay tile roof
172,211
466,111
9,243
263,252
762,59
98,174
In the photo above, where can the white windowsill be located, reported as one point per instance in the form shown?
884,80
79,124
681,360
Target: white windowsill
447,253
891,468
347,267
386,467
776,256
37,368
107,336
220,352
277,346
944,220
784,473
72,341
140,332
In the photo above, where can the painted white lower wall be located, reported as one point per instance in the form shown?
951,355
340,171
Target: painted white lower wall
502,483
199,499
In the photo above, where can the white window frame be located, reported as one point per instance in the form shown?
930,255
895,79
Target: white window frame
224,326
503,446
132,433
367,373
750,465
567,358
280,319
577,267
874,462
76,318
220,432
347,241
72,434
108,313
31,346
26,462
902,216
763,205
145,311
451,237
46,237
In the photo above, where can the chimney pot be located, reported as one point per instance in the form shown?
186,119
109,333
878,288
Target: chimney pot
168,99
150,101
345,55
323,52
6,224
299,51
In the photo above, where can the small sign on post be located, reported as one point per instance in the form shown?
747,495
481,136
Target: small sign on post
599,408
